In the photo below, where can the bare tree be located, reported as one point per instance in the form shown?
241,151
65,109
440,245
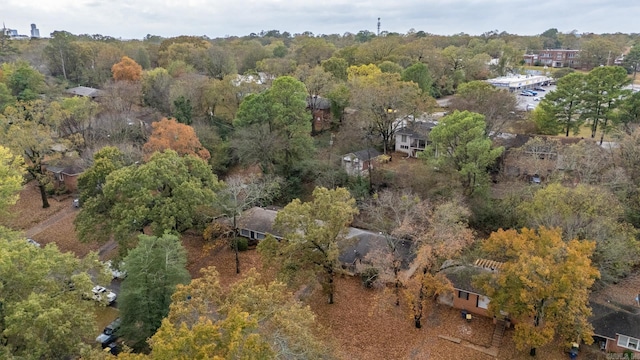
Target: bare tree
241,193
400,217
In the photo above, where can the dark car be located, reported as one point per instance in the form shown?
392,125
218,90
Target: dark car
538,89
108,335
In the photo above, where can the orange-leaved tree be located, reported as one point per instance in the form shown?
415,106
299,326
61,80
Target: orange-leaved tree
543,285
127,69
170,134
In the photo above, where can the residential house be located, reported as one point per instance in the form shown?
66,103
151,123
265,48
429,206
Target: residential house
466,296
616,327
321,111
65,177
556,58
358,163
256,223
85,92
413,138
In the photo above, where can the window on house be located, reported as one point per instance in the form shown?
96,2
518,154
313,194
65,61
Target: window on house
628,342
405,147
463,295
245,232
260,236
483,302
404,138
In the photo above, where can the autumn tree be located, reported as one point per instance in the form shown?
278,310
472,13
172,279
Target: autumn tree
497,105
170,134
313,234
238,194
154,268
401,217
587,212
460,145
156,85
29,131
446,237
250,320
43,313
543,285
382,100
126,70
11,172
165,193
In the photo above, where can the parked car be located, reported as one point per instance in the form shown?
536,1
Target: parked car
536,99
532,92
108,335
33,242
116,273
537,88
535,179
100,293
530,107
526,93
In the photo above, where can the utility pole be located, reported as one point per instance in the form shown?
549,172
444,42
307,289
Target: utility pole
378,26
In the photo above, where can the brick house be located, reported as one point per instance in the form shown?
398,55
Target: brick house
616,327
65,176
556,58
466,296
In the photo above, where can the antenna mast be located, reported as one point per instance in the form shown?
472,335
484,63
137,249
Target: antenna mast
378,26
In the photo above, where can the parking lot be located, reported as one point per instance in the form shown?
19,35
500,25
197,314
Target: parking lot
524,101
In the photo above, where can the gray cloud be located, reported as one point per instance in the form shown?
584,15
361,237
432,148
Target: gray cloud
136,18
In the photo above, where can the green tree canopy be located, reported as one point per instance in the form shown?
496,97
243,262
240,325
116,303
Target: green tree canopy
25,82
154,268
460,145
42,311
602,94
419,74
558,110
313,233
274,128
543,285
165,193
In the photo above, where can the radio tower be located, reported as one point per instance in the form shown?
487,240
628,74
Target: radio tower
378,26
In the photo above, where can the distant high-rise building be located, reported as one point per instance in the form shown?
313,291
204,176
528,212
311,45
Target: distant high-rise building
35,33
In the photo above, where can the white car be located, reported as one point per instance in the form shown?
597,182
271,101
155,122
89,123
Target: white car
100,292
33,242
116,273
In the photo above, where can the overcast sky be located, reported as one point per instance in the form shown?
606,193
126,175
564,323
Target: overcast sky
133,19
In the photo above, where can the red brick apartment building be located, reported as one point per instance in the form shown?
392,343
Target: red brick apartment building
556,58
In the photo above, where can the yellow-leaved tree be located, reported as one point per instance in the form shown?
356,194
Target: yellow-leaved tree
11,172
543,285
251,320
313,233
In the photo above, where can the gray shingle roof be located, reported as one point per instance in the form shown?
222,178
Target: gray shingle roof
84,91
609,320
